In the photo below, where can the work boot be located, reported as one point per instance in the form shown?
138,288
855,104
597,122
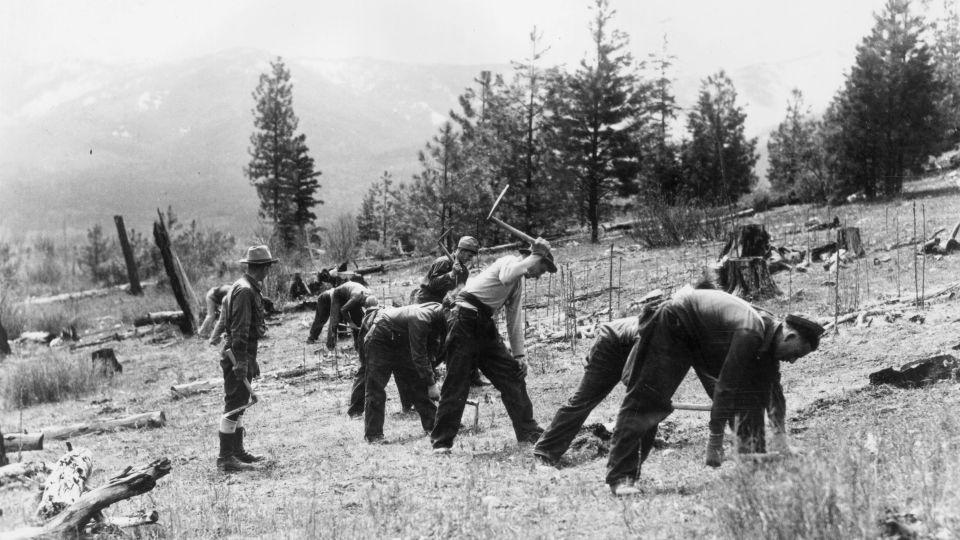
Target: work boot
624,487
241,453
227,461
531,436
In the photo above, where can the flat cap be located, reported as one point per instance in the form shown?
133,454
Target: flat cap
807,328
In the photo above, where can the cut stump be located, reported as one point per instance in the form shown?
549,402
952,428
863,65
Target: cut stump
749,278
918,373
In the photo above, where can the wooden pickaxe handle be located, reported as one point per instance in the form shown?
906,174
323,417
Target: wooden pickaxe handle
514,231
254,399
691,407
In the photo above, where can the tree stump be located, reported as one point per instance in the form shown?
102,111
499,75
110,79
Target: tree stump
105,361
919,372
3,451
66,482
748,277
751,240
848,238
4,343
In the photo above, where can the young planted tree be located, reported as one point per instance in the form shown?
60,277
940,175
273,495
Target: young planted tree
718,160
594,118
888,111
280,167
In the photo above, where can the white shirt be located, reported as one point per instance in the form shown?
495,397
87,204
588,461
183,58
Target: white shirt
499,285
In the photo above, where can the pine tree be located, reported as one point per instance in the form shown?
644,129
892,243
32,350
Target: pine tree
888,113
280,167
594,120
946,56
378,211
718,160
793,151
662,171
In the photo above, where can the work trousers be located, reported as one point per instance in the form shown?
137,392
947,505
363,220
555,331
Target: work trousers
667,359
600,377
235,393
386,355
359,389
321,315
473,341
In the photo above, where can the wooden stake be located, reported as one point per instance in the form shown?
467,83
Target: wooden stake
923,276
836,293
610,291
916,280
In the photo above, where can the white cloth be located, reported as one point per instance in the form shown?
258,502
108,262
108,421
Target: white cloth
501,285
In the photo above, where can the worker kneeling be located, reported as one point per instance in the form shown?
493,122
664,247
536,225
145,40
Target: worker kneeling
402,341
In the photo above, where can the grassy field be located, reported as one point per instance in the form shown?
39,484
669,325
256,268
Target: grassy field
868,457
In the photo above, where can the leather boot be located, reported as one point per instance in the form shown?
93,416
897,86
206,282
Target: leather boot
241,453
227,460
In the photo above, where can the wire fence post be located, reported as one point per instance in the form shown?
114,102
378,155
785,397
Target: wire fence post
610,290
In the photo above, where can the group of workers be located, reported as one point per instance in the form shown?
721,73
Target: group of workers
734,348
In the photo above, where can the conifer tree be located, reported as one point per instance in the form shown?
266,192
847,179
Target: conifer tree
280,167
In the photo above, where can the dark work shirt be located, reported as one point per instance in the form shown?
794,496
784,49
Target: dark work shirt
417,326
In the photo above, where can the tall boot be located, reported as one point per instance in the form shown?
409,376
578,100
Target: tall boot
227,460
241,453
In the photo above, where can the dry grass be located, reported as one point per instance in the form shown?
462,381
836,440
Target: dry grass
49,378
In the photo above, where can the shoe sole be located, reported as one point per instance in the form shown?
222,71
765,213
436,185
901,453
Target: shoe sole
441,451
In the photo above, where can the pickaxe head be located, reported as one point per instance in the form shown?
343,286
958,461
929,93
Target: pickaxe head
497,202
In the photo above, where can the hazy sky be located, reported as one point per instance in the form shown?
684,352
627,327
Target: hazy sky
704,34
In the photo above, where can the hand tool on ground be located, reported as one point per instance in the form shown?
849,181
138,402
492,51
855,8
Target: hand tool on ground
476,412
254,399
514,231
691,407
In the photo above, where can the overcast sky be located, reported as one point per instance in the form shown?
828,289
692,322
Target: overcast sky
705,34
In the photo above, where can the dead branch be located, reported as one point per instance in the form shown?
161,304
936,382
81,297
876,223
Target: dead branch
144,420
23,442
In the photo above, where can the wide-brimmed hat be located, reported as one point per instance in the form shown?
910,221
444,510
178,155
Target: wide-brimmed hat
806,328
469,243
258,255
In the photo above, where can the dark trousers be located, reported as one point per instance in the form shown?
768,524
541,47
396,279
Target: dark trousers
359,388
235,393
385,356
600,377
472,342
321,315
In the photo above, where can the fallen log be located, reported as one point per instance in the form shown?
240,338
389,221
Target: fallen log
23,442
39,337
376,269
63,297
918,373
196,387
134,520
19,471
160,317
144,420
73,520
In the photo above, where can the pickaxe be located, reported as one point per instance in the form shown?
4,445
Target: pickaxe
514,231
254,399
444,247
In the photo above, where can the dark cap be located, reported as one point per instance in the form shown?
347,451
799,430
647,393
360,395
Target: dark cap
807,328
551,266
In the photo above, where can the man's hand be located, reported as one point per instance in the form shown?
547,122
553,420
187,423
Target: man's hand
521,364
715,449
779,444
214,340
240,372
540,247
433,391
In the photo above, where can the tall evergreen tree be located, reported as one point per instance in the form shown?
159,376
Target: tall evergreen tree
888,113
661,172
793,151
377,216
718,160
595,118
280,167
946,56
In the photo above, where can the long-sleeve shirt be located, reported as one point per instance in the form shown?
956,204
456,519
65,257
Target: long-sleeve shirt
344,298
217,294
734,342
442,277
501,285
420,327
244,322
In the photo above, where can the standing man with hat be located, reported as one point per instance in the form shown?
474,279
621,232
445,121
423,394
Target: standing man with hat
444,277
244,326
473,341
735,350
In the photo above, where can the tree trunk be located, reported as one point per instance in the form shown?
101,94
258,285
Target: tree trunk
150,419
4,343
18,471
159,317
196,387
176,283
22,442
72,520
132,275
65,483
749,278
848,238
3,450
751,240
